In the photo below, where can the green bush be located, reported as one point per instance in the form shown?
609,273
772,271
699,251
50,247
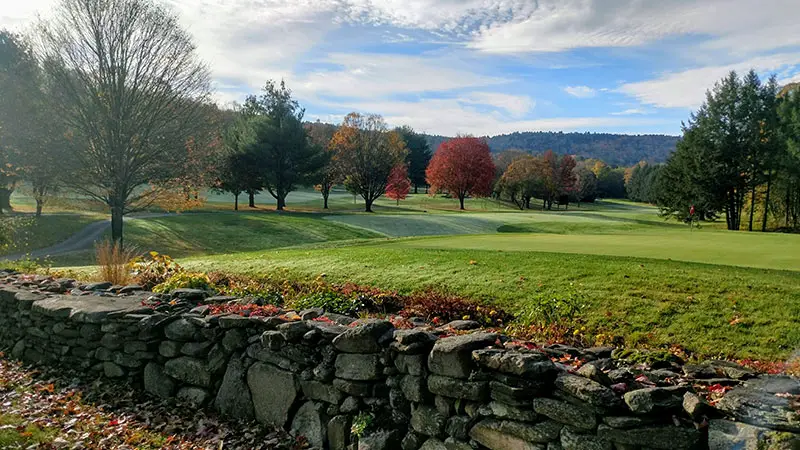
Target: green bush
191,280
555,308
330,302
27,265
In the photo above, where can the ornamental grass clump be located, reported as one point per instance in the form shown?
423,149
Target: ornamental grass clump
114,262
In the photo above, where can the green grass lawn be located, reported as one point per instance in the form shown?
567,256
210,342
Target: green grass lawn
647,301
50,229
228,232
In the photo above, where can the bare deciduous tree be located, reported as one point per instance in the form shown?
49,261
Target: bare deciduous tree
131,90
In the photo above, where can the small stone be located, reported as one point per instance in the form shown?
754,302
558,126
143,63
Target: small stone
427,420
169,349
503,411
488,433
695,406
414,388
452,356
321,391
194,396
530,365
198,349
595,394
655,437
655,400
592,372
571,440
359,367
180,330
462,325
339,433
433,444
311,313
566,413
539,433
157,382
112,370
477,391
189,370
363,338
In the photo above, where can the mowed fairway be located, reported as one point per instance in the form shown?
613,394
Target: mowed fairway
651,282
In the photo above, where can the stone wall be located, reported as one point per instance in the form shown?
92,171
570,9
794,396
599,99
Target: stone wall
328,377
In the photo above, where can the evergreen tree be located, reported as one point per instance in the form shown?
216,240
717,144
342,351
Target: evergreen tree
418,157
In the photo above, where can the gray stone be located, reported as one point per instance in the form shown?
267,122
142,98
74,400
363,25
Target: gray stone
293,331
321,391
458,427
625,422
364,338
452,356
181,330
356,388
595,394
757,404
477,391
379,440
132,347
695,406
273,391
112,341
462,325
234,339
273,340
349,405
594,373
233,321
198,349
655,400
311,313
339,433
169,349
410,364
189,370
655,437
233,399
189,294
427,420
99,286
157,382
194,396
571,440
488,433
433,444
112,370
538,433
503,411
413,341
359,367
454,444
566,413
90,331
19,349
412,441
414,388
310,423
726,434
529,365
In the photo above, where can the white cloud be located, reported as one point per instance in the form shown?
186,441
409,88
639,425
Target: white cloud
629,112
557,25
515,105
687,89
580,91
365,75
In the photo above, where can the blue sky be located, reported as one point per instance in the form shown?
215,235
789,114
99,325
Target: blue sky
487,67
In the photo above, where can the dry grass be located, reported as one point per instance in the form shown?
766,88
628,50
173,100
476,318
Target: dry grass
114,262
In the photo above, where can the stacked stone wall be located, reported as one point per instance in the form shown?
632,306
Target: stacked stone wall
329,377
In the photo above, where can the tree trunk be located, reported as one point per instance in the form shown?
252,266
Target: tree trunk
116,224
368,204
766,202
415,188
5,200
252,199
752,207
325,199
236,202
461,200
281,202
39,206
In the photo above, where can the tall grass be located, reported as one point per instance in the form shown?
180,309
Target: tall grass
114,262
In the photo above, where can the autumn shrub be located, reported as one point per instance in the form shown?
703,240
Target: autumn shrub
154,269
182,280
114,262
441,307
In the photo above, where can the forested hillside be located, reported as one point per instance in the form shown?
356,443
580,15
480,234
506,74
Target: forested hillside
614,149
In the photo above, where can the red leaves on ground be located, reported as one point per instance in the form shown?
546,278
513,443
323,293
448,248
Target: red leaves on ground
248,310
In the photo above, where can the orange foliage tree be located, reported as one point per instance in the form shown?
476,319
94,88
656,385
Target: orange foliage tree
365,152
462,166
399,184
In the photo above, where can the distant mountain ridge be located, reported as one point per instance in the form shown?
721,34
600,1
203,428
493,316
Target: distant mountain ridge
613,149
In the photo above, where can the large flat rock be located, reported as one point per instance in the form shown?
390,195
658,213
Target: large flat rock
87,308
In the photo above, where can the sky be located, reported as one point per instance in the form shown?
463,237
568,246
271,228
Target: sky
486,67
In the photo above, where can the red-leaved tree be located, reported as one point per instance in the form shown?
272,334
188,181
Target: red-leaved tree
398,185
462,166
